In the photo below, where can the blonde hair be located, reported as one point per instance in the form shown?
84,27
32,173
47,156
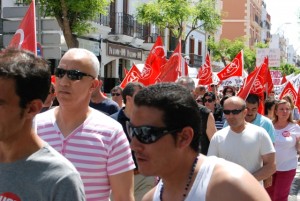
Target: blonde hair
281,102
289,99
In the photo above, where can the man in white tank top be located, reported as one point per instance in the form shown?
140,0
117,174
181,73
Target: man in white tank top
164,127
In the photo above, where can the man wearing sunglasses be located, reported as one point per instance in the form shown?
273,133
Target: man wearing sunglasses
95,143
142,184
243,143
165,139
116,95
29,168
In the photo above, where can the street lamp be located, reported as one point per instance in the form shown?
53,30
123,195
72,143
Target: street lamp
280,28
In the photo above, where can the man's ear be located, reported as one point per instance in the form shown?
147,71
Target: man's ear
185,137
96,84
33,108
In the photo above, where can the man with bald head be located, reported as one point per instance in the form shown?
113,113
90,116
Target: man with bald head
243,143
95,143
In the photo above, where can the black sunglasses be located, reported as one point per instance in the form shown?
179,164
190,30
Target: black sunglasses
227,112
115,94
71,74
149,134
207,100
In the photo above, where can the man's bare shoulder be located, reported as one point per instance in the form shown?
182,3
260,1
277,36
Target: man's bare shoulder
149,195
232,182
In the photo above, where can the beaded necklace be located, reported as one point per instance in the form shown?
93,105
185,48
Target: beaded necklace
188,183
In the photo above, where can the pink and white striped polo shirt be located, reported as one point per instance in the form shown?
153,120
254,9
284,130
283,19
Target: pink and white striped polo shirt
97,148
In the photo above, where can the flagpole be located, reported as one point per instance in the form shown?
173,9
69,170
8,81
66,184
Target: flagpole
38,5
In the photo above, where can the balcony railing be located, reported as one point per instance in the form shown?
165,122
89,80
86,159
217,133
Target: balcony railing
122,23
125,24
195,60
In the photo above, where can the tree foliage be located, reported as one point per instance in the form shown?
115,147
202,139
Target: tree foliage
74,16
225,50
288,69
176,14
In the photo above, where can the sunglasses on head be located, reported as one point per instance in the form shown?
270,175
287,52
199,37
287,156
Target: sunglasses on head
115,94
149,134
71,74
227,112
208,100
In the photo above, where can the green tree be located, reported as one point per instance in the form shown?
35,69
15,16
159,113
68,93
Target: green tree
74,16
176,14
225,50
288,69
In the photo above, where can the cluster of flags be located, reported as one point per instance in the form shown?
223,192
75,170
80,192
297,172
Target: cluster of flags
158,68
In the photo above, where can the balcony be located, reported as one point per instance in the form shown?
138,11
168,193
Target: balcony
195,60
126,26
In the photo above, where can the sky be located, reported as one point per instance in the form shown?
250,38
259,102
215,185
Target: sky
284,19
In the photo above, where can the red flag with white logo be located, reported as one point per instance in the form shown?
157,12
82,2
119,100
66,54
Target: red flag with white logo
172,69
289,89
235,68
251,82
255,85
25,36
154,62
205,72
133,75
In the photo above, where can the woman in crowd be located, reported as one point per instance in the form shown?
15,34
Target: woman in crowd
209,101
229,91
287,139
295,111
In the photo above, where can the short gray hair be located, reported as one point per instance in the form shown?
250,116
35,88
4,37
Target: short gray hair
186,82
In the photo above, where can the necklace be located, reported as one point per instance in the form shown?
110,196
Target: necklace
188,183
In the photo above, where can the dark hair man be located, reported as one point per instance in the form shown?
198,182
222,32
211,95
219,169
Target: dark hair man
165,130
29,168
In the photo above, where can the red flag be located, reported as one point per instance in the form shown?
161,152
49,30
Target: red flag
297,103
184,70
125,71
155,60
249,84
205,72
267,78
25,36
133,75
289,89
283,80
255,85
235,68
171,71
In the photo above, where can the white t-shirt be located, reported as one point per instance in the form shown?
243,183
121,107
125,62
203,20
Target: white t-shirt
285,146
245,148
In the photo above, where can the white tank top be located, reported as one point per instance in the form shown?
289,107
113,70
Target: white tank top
199,188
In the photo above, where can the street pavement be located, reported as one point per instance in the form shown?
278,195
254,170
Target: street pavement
295,189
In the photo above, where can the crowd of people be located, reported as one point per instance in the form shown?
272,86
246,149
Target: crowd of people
168,141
